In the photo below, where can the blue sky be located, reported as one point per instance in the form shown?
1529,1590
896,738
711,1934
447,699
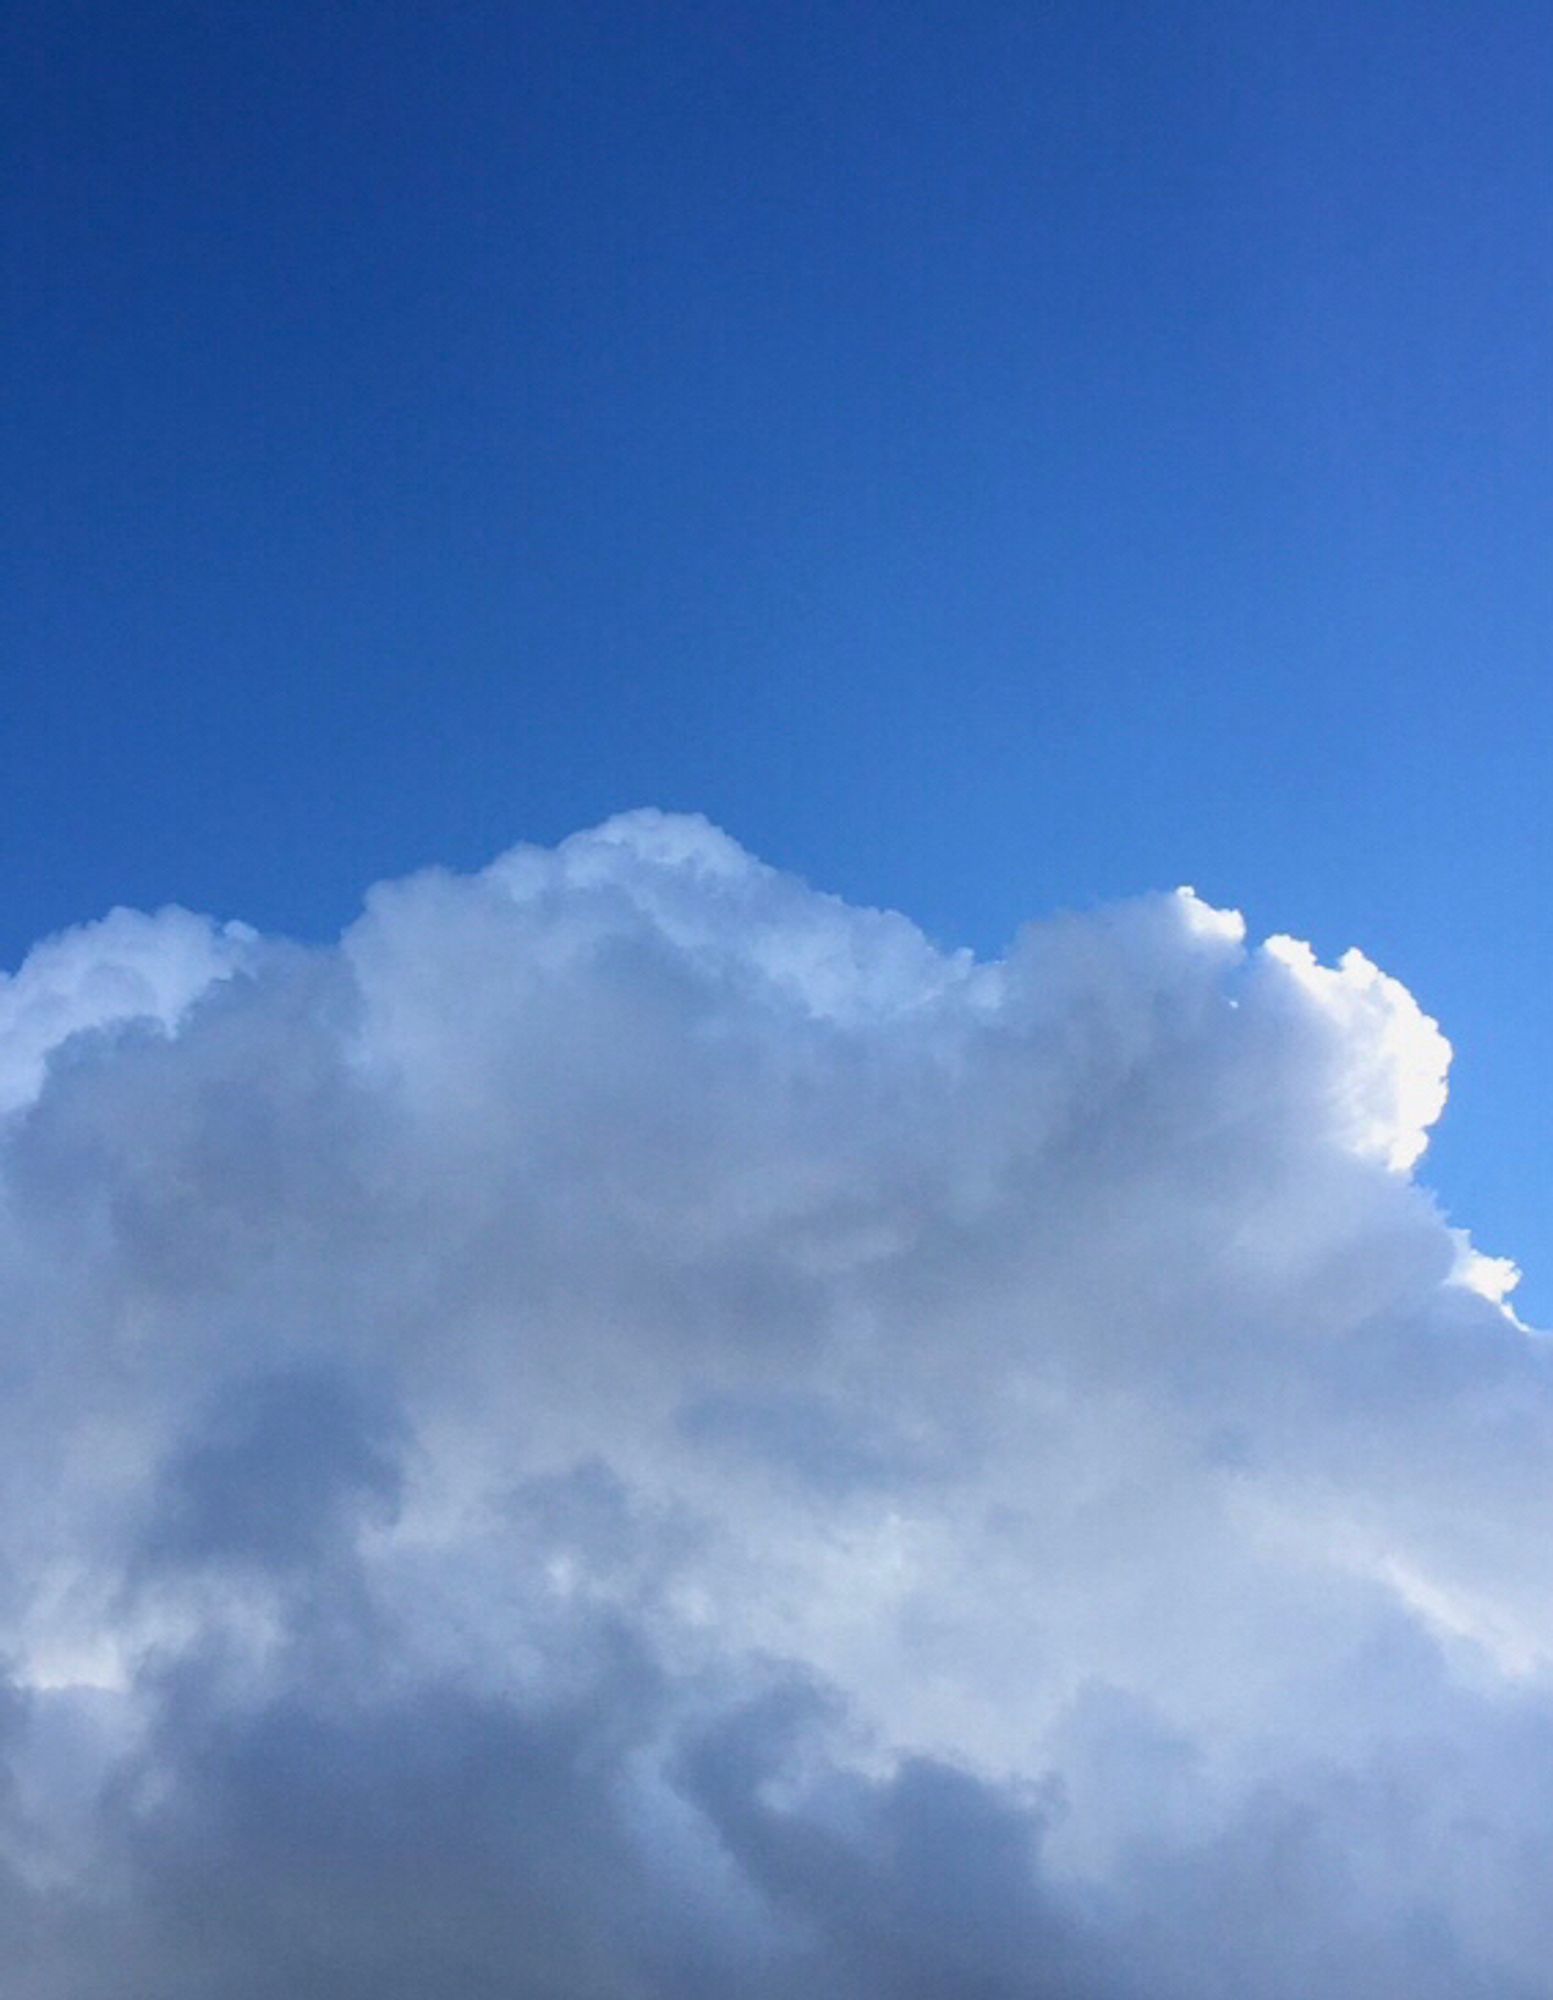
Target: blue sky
989,457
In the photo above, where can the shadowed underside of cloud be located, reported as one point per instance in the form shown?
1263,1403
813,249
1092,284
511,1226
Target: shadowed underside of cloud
634,1431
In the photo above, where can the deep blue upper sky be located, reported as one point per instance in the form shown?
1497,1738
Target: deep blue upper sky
987,456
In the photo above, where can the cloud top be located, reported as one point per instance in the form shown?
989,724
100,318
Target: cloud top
633,1429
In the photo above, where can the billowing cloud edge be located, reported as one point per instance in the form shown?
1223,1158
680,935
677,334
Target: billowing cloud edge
634,1428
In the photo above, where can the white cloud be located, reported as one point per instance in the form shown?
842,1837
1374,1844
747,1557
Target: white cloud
1395,1087
128,969
636,1430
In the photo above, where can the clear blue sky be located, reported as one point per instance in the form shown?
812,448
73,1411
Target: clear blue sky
988,457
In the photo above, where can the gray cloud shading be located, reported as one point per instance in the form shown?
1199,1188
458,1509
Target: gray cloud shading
632,1430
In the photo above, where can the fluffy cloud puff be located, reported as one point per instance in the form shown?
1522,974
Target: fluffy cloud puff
633,1430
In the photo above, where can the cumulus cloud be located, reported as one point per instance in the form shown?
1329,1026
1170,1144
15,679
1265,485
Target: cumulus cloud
633,1430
